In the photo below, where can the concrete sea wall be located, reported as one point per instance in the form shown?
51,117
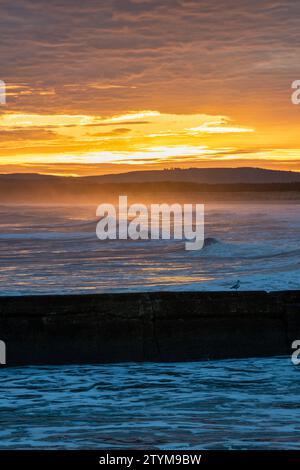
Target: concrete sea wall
158,326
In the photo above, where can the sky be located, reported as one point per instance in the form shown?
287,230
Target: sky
110,86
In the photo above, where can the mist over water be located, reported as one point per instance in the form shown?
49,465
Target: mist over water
54,249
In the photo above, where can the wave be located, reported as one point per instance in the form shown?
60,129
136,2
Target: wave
215,248
47,236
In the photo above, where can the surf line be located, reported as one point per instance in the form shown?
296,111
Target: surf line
162,221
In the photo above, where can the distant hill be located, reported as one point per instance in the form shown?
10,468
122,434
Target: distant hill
193,175
202,175
194,183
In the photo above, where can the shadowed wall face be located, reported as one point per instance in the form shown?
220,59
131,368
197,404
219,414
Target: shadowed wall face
148,327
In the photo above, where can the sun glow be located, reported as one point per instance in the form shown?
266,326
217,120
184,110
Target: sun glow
145,139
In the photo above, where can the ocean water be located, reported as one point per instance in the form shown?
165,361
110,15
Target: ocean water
232,404
229,404
51,249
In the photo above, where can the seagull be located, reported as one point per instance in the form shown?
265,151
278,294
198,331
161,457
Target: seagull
236,286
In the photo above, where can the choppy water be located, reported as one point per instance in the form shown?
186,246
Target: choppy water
48,249
236,404
232,404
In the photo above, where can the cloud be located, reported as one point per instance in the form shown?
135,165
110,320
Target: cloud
114,133
27,134
130,54
218,130
104,63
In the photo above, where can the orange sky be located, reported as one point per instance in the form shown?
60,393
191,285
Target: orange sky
116,86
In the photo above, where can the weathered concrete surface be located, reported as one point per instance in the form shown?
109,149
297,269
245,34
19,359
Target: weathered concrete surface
162,326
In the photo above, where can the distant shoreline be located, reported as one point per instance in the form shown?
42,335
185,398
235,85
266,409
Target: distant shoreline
148,192
265,201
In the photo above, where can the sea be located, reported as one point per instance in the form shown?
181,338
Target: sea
226,404
54,249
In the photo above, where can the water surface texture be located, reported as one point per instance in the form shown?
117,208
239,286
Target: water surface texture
50,249
230,404
233,404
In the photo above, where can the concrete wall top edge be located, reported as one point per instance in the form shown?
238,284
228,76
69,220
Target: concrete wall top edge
144,304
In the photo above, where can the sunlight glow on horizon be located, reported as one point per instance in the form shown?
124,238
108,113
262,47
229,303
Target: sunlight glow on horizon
136,138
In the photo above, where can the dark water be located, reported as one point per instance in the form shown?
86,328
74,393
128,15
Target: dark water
232,404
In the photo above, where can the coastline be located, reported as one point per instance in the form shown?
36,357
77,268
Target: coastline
148,326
